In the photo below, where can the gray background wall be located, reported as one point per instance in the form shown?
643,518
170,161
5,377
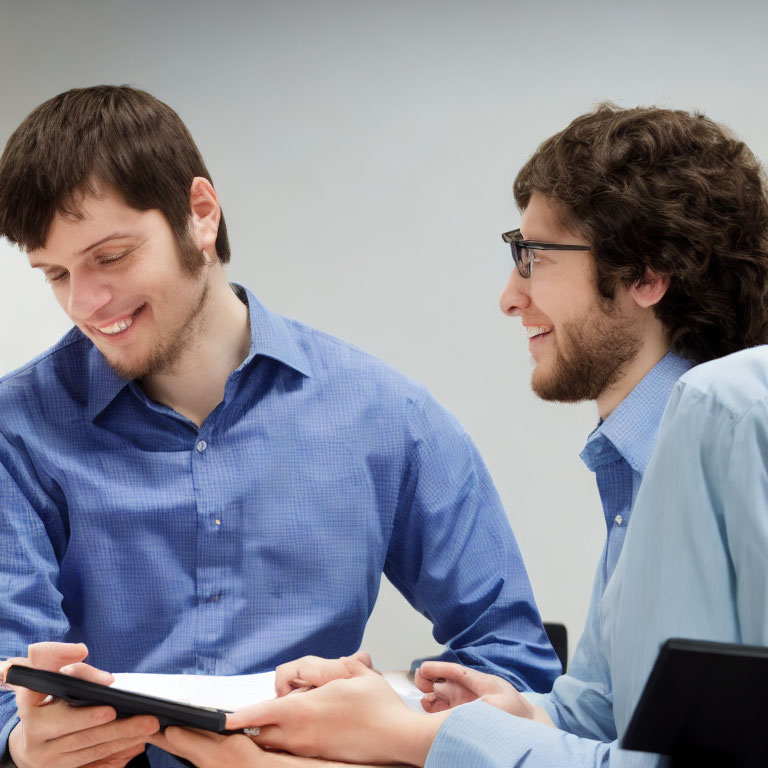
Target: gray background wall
364,154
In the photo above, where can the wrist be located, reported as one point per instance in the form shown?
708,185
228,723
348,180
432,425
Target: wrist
418,733
540,715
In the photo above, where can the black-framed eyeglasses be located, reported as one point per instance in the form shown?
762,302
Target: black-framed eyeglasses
523,250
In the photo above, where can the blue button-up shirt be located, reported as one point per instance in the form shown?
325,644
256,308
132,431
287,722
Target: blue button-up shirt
262,535
581,702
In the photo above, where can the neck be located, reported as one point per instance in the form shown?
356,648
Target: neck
196,384
635,370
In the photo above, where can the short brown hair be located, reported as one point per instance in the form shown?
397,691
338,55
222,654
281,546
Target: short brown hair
673,192
88,138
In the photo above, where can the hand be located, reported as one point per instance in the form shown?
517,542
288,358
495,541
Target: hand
214,750
51,733
447,685
358,718
313,671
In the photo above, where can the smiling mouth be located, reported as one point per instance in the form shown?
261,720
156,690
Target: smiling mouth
536,331
120,325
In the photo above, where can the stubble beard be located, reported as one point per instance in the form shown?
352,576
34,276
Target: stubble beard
170,349
590,359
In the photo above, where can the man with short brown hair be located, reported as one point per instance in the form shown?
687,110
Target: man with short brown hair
193,484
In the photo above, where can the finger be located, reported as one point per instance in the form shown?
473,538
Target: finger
364,658
53,656
259,714
87,672
310,671
58,719
454,694
354,667
119,759
122,730
442,670
111,753
432,703
424,684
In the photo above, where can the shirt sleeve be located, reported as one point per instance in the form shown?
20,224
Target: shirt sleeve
454,557
581,701
30,610
482,736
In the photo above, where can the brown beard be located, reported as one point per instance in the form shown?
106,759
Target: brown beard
591,357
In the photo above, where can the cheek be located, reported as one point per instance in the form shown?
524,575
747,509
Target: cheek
61,294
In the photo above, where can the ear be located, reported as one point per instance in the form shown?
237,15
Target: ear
205,214
650,289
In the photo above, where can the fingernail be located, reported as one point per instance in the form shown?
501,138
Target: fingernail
252,731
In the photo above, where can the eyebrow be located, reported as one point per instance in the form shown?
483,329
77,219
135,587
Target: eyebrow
108,238
113,236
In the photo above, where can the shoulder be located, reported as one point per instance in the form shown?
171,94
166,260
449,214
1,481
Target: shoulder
734,383
54,369
338,363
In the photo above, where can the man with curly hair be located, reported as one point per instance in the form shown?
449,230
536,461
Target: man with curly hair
643,250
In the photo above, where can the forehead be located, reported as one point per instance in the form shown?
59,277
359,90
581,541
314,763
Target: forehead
87,220
543,220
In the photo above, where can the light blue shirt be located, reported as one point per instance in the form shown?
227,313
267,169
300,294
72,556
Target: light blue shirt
259,537
673,575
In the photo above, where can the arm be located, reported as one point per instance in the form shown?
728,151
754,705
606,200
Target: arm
485,737
702,512
453,556
360,719
214,750
32,538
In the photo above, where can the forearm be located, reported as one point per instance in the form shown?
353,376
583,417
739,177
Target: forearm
484,737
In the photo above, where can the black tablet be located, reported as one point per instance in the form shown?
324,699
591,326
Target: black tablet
704,698
83,693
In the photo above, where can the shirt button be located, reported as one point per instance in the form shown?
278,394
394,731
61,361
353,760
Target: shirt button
201,446
217,521
618,519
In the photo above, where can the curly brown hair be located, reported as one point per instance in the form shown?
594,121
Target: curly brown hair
675,193
84,139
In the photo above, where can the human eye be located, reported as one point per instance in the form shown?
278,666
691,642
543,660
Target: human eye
114,258
56,276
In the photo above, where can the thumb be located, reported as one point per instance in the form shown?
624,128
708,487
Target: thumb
51,657
25,699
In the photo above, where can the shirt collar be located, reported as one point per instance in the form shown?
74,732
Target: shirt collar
630,430
271,336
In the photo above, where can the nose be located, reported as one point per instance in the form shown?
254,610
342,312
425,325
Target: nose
87,294
516,295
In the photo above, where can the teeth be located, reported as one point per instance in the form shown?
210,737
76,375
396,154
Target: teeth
117,326
535,330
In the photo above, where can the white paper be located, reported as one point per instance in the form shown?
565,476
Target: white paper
236,691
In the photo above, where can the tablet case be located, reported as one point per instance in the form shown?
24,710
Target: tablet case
84,693
704,704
